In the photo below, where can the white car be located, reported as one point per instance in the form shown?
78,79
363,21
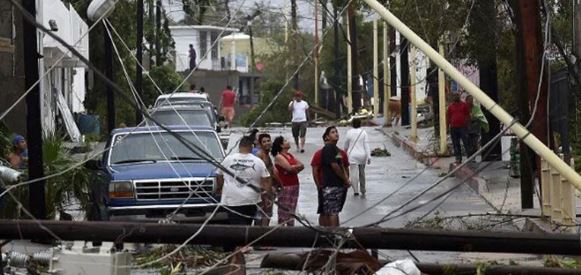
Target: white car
181,98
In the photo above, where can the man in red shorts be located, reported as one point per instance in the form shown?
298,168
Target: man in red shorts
227,105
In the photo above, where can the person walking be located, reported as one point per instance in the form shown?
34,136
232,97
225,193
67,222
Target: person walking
458,116
335,178
227,101
357,147
318,178
265,146
299,109
192,55
287,169
478,123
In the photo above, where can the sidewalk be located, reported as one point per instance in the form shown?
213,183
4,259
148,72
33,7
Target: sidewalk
492,183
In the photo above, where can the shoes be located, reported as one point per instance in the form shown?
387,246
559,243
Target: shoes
356,194
302,150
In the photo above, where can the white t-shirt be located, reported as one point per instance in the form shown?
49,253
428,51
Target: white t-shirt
299,110
247,167
357,146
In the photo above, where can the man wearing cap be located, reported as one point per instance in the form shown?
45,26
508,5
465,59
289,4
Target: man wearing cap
299,109
18,158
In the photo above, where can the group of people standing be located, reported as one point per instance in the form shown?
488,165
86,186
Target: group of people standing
466,122
268,166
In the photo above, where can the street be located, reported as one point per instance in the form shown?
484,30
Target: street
384,175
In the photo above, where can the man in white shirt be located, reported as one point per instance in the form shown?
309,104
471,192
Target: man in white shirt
299,109
243,192
357,148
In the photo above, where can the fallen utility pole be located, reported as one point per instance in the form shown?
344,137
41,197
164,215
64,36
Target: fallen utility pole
370,238
296,261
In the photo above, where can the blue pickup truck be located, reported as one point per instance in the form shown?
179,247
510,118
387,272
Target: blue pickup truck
146,174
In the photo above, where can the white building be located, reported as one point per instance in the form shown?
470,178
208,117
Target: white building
63,88
205,41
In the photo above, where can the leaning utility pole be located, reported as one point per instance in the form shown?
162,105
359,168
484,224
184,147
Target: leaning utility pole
139,56
530,50
36,200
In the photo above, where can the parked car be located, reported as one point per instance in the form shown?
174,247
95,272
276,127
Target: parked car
191,115
147,173
180,98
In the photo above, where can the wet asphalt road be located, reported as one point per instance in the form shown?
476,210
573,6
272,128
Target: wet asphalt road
384,175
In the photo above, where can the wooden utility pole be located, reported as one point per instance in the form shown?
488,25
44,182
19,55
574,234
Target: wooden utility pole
294,43
386,76
376,102
338,94
530,51
577,48
412,89
299,236
158,61
442,106
405,81
349,69
356,93
316,53
139,56
36,200
111,114
487,65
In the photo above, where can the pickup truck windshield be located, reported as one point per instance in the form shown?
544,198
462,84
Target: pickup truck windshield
161,146
182,117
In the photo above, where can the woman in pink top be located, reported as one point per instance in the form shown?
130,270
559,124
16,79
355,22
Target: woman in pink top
287,168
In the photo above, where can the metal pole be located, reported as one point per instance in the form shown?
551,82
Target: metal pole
349,71
34,117
375,70
442,106
413,111
370,238
139,56
479,95
386,76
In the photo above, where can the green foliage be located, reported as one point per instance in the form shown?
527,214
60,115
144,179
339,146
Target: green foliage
70,187
166,79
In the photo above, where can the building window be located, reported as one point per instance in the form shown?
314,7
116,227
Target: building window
213,38
203,43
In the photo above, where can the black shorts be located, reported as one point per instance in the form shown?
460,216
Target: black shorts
244,214
333,199
299,129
